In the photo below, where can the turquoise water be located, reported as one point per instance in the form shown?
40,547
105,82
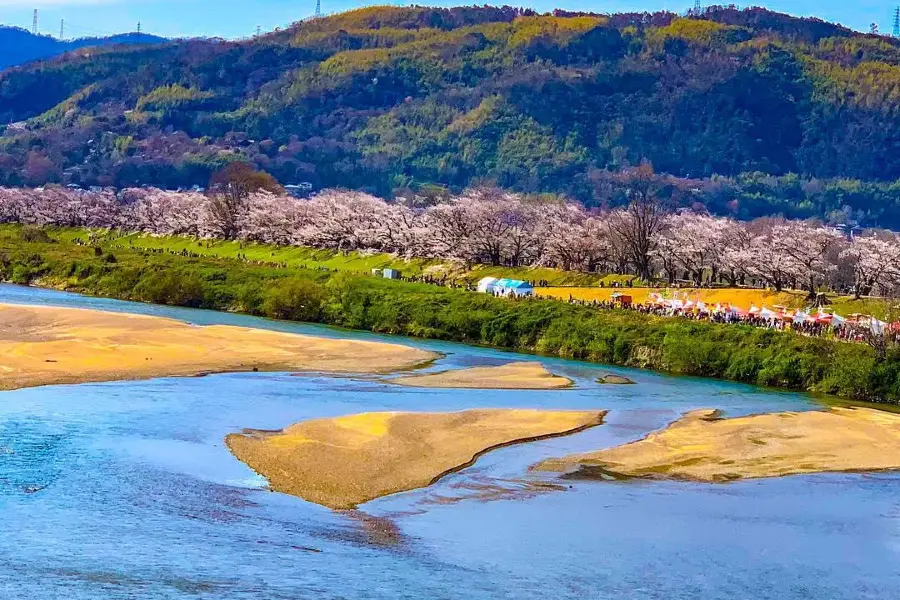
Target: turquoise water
125,490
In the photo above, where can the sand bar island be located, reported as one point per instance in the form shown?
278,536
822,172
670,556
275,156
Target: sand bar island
513,376
42,345
345,461
701,446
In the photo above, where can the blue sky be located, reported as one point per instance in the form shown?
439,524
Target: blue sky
237,18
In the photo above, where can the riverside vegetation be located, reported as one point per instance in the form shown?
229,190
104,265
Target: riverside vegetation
746,354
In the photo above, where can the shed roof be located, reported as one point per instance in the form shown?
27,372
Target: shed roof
513,283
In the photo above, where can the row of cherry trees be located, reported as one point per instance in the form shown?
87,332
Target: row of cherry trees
489,226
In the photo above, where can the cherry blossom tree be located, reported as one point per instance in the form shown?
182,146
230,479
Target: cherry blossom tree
809,246
639,224
695,242
495,227
764,257
875,260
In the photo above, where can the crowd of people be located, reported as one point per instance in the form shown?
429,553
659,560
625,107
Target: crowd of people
809,322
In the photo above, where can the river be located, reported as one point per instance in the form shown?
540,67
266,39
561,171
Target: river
126,490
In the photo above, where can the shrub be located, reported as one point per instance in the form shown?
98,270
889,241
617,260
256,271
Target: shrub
30,233
171,287
295,299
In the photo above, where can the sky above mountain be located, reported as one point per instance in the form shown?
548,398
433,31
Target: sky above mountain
240,18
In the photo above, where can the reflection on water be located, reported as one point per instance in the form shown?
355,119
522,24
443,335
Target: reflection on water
126,490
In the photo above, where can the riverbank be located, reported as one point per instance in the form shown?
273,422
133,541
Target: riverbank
514,376
674,345
701,446
346,461
42,345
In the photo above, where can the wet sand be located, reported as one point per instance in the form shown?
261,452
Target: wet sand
42,345
346,461
703,447
514,376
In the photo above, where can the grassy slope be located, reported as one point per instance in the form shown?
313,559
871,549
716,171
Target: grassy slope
582,286
355,262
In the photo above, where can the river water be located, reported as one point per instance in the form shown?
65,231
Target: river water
126,490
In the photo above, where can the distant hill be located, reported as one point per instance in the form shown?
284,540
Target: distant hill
18,46
748,112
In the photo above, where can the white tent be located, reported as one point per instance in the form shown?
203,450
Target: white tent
487,285
802,317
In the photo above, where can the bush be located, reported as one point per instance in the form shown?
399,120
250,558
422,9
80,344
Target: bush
30,233
296,299
171,287
21,275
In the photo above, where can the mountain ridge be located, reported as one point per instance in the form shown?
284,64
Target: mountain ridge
18,46
789,115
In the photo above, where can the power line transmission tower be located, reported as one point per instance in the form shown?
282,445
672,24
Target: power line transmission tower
139,27
258,30
34,23
896,32
873,28
697,8
62,29
318,8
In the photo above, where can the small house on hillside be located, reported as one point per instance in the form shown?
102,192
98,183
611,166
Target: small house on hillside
390,273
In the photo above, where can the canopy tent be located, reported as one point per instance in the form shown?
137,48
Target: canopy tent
802,317
513,287
878,327
825,318
487,284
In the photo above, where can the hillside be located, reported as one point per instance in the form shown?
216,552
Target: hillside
18,46
749,112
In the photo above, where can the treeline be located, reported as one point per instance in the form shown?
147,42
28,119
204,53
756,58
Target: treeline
497,228
734,352
727,103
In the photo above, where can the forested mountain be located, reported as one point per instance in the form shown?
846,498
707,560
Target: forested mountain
18,46
749,112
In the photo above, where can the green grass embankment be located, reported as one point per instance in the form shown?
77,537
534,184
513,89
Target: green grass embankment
342,298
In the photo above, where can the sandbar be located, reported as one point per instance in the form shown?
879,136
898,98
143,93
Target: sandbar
42,345
345,461
703,447
513,376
